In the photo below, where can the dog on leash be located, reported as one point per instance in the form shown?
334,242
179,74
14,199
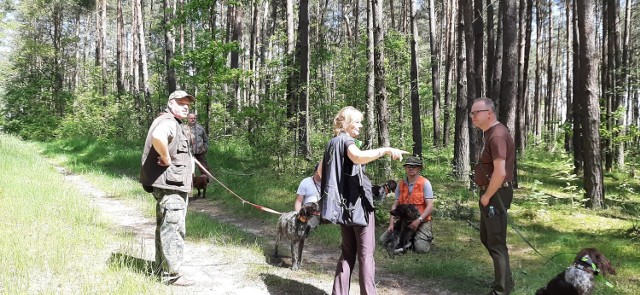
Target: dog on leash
399,241
579,278
295,227
200,183
381,191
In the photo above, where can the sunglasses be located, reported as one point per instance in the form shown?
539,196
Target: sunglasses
411,166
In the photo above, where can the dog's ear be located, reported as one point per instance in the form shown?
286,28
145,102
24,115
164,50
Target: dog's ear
604,264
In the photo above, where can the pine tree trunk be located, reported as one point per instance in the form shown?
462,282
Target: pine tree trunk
416,122
144,71
593,178
435,70
568,140
236,36
578,162
380,84
537,113
302,59
448,69
169,42
548,101
478,54
461,164
469,40
370,78
509,87
120,50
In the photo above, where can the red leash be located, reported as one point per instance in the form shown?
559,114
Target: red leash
202,169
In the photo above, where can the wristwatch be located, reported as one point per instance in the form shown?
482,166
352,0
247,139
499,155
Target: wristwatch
421,220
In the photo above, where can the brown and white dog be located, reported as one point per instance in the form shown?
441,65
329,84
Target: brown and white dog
295,227
579,278
200,183
381,191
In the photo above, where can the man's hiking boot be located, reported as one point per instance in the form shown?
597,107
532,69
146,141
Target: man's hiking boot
181,281
176,280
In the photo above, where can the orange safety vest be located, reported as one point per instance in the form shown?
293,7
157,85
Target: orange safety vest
417,194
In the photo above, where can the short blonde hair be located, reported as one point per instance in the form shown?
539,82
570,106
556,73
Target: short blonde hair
345,117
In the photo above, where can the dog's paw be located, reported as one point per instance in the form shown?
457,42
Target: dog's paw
295,267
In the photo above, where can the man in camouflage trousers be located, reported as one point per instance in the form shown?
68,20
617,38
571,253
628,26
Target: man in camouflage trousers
167,168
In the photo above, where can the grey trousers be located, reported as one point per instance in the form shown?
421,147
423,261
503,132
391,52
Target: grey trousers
357,242
171,211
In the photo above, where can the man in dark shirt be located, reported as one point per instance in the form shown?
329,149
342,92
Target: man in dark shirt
494,176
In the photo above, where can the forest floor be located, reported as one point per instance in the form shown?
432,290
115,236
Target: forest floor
219,269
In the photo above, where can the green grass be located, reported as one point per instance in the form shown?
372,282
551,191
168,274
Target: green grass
548,211
51,236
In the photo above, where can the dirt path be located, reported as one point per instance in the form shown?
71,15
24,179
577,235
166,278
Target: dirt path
224,270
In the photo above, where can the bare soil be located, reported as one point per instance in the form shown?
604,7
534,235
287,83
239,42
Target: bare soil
220,270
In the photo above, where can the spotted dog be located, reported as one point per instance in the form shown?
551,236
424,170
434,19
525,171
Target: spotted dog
579,278
295,227
381,191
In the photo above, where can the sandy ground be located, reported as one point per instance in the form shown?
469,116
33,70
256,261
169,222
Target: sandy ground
237,270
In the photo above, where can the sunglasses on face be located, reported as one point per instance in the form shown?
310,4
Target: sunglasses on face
411,166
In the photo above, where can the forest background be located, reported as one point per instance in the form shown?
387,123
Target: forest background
270,75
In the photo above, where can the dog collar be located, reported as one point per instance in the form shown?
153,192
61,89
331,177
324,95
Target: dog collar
586,264
302,218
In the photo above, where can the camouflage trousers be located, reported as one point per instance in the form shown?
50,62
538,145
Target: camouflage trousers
171,212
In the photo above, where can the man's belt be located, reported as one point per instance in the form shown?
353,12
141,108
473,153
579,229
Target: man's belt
484,187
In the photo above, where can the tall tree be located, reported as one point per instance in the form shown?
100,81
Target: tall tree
236,36
470,41
523,116
289,65
120,51
549,120
380,83
450,60
435,70
578,162
537,86
461,163
101,43
416,122
568,140
509,90
169,44
478,49
593,178
142,58
371,84
302,59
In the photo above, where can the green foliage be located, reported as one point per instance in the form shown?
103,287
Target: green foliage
102,117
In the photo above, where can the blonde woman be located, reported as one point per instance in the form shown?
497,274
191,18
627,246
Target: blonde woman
347,199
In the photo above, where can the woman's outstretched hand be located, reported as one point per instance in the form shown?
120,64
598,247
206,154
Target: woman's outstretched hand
395,154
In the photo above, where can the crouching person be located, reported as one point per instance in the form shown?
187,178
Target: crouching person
416,190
